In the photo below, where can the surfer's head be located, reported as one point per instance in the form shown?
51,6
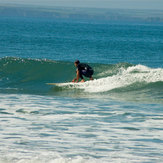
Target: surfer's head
76,62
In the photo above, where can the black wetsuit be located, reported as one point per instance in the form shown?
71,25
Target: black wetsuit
85,70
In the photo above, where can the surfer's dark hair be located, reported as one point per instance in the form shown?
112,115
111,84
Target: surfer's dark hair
77,62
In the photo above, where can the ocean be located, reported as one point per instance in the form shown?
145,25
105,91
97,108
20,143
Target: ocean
117,117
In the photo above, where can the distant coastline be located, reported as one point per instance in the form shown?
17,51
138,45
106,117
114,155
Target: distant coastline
82,13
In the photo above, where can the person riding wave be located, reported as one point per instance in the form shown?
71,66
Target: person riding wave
82,70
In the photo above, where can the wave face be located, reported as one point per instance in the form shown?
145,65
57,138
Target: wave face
30,75
19,75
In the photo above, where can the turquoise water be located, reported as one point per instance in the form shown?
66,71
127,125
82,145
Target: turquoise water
117,117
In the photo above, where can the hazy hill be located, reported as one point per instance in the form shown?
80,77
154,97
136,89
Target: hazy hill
83,13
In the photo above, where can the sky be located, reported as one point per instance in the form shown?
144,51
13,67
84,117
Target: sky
122,4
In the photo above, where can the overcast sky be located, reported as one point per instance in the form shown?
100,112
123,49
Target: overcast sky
128,4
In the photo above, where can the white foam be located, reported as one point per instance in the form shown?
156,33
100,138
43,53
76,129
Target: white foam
125,77
54,160
41,129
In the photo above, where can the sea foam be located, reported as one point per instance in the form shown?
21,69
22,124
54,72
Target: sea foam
138,75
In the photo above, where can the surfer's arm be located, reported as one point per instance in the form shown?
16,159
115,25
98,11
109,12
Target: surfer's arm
77,77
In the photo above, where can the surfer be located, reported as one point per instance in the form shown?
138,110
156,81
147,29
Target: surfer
82,70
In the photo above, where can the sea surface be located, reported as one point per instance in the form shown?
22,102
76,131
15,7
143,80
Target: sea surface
117,117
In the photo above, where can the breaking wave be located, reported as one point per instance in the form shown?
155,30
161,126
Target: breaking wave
22,75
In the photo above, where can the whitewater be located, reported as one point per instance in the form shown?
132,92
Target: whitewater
138,75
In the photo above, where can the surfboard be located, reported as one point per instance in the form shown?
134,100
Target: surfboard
61,84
